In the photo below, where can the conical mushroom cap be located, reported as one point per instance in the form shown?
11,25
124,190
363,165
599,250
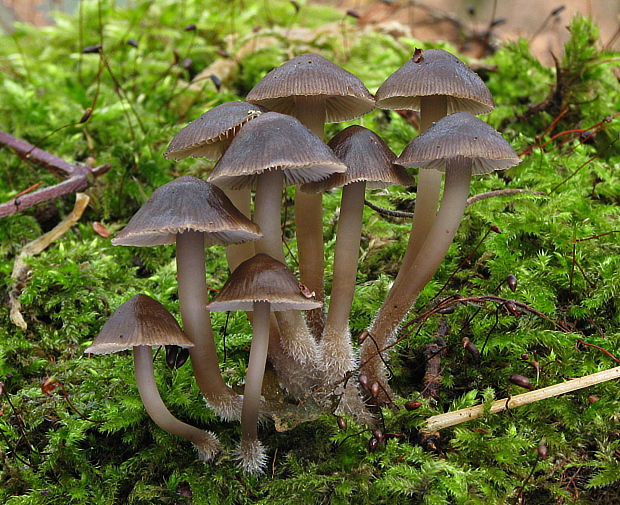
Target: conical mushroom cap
464,135
263,279
368,159
435,72
275,141
309,74
187,204
209,135
139,321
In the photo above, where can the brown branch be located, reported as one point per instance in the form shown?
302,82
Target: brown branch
79,177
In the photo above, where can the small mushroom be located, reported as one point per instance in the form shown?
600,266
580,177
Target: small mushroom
139,324
195,215
260,284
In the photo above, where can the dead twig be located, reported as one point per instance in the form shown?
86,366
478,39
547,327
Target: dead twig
448,419
78,177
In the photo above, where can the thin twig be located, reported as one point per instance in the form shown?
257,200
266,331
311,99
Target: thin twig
79,177
470,201
448,419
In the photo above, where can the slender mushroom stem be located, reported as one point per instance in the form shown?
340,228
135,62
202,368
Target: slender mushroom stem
310,111
335,344
196,318
267,213
205,442
432,109
448,419
251,459
238,253
432,253
296,340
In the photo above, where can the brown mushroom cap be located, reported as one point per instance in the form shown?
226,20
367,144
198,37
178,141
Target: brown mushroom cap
460,135
435,72
263,279
309,74
368,159
187,204
208,135
275,141
139,321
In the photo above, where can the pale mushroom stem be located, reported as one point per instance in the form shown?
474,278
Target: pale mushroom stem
196,318
205,442
268,213
432,253
337,352
432,109
255,371
250,453
310,111
296,340
238,253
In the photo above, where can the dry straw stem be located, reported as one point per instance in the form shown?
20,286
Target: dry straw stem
441,421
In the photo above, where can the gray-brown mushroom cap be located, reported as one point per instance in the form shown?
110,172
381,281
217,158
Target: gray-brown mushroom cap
187,204
263,279
460,135
309,74
275,141
368,159
139,321
435,72
209,135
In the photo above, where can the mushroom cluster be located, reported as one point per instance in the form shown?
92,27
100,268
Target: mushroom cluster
273,140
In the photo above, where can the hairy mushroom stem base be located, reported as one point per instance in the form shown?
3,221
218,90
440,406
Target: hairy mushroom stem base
310,111
205,442
196,318
337,352
383,328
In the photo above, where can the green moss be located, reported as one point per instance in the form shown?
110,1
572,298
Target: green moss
563,247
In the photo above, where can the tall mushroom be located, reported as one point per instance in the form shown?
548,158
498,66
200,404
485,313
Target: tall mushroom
260,284
370,164
268,153
315,91
460,145
195,215
139,324
435,83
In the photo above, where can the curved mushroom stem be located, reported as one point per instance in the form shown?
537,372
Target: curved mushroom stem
253,388
432,253
432,109
310,111
193,298
205,442
337,351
